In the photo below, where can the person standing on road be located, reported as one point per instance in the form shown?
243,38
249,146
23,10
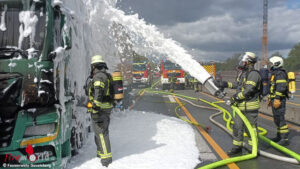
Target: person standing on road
277,98
196,84
100,94
247,98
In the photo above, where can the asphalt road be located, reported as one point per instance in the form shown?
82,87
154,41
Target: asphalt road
160,104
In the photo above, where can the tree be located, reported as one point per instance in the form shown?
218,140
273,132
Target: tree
292,62
229,64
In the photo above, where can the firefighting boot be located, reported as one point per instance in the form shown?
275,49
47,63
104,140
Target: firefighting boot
277,138
234,151
284,141
106,162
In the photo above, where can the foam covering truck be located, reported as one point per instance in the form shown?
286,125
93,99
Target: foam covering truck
38,107
170,70
141,74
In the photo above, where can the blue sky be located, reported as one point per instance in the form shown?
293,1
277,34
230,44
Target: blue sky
293,4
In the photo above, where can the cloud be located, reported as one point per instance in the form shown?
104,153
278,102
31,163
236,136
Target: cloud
226,34
215,30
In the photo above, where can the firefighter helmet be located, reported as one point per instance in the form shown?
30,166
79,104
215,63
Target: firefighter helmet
97,59
275,62
248,57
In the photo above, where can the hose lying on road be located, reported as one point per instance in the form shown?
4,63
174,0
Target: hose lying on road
239,113
260,152
227,117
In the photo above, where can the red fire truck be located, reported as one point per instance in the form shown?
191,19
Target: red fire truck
171,73
141,74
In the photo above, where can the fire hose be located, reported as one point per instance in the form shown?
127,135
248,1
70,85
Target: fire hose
228,119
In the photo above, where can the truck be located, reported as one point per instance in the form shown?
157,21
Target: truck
141,74
42,122
170,70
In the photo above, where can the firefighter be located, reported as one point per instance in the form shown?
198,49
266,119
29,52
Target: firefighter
196,84
277,98
100,94
172,80
247,97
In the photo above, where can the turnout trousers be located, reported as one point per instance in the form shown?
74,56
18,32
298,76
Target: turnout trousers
279,119
239,127
100,121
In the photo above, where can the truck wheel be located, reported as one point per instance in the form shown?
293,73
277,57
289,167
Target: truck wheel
164,87
182,87
75,142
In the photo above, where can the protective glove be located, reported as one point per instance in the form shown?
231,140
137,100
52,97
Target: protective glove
276,103
95,107
217,83
89,105
231,101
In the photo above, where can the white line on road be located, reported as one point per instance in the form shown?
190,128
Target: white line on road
171,98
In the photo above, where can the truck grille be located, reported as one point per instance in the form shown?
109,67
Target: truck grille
174,74
138,76
7,125
10,85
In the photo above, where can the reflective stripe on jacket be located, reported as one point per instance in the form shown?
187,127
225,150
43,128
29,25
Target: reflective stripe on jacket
248,89
279,84
99,92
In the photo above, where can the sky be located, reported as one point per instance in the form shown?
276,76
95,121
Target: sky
216,30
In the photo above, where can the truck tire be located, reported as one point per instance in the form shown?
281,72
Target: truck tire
74,142
182,87
164,87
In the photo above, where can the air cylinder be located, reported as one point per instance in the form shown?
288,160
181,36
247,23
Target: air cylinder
117,85
292,82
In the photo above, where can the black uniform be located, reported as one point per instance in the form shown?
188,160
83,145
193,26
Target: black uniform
279,90
101,97
247,95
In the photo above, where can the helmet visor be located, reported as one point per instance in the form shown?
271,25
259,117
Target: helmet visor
243,61
270,64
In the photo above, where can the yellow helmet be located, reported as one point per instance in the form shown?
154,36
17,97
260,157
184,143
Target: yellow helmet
97,59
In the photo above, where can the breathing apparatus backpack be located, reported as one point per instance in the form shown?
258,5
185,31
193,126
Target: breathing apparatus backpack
291,83
265,84
117,86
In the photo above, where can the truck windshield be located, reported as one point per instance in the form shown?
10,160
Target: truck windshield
171,66
22,24
139,67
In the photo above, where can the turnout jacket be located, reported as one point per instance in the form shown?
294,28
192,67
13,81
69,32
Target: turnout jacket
100,88
248,86
278,84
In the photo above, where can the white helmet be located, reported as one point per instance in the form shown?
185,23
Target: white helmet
276,62
248,57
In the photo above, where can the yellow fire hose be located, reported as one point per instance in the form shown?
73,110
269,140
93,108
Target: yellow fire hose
228,119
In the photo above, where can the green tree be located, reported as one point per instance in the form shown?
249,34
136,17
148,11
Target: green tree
292,62
139,58
229,64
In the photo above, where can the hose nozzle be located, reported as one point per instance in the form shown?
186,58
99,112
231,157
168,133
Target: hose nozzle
213,89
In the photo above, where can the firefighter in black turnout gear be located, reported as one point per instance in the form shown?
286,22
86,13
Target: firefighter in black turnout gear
101,97
247,98
277,98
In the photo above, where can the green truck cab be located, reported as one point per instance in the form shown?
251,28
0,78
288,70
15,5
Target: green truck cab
36,98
